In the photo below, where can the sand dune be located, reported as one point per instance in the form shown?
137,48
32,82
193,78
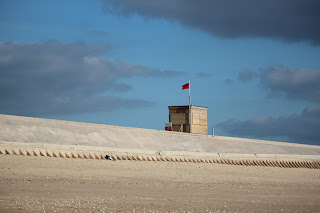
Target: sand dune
194,173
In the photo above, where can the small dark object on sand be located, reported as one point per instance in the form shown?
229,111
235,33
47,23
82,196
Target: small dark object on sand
107,157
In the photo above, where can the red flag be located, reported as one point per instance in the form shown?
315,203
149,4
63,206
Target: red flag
185,86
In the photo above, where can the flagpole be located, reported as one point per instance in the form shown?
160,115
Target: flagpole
190,107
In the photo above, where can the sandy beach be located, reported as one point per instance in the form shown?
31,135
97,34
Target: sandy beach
41,184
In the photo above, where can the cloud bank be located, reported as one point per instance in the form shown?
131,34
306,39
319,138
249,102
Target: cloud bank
300,128
282,82
288,20
302,84
56,78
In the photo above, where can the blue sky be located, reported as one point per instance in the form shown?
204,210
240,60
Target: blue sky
254,64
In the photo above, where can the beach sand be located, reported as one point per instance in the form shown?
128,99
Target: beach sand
43,184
